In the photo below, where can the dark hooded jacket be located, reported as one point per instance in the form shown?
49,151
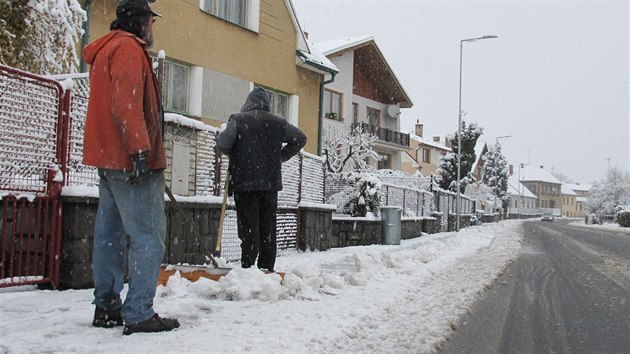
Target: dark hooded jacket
253,141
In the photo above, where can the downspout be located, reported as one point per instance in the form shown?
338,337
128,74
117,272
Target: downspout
86,33
321,111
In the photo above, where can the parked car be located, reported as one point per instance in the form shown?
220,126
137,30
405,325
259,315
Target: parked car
547,217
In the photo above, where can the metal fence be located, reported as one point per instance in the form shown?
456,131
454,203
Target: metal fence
33,136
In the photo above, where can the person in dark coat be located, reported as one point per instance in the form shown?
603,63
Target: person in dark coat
253,140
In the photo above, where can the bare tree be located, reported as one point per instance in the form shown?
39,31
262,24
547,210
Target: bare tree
347,151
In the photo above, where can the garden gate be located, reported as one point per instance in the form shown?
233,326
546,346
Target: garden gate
34,119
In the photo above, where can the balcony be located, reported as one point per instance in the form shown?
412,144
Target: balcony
384,134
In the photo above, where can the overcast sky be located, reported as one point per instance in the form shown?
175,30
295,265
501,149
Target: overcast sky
556,79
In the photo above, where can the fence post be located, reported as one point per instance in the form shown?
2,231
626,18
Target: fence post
404,203
298,234
217,170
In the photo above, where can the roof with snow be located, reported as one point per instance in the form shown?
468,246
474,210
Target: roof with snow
566,190
316,61
480,148
429,142
579,187
307,56
538,174
368,55
408,158
516,188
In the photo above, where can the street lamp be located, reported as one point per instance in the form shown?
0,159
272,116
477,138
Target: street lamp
459,123
521,189
502,137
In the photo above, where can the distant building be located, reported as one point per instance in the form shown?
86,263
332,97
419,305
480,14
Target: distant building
569,207
546,188
582,192
477,168
522,201
365,94
424,155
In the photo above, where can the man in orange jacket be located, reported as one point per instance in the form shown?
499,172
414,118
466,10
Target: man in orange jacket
123,139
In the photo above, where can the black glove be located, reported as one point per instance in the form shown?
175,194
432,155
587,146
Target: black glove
140,168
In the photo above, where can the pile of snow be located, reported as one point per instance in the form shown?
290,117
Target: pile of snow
376,298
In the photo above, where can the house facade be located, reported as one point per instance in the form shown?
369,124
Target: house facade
424,155
481,148
216,54
546,188
582,192
365,94
522,201
569,205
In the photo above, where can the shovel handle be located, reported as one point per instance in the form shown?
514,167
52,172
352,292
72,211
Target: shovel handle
217,247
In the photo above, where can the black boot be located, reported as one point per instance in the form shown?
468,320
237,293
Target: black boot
107,318
153,324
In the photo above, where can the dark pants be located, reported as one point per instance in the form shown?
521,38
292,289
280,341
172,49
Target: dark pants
256,214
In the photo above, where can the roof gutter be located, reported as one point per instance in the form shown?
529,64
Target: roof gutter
321,111
322,69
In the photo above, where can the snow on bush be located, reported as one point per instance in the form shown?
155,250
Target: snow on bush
623,217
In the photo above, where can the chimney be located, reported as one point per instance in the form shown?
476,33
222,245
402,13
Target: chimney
511,170
436,139
419,128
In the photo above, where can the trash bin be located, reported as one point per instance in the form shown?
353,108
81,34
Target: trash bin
390,221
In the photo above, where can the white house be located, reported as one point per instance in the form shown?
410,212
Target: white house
522,201
366,94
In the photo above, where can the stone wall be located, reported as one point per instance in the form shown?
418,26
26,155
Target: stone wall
314,233
355,232
411,228
315,229
77,238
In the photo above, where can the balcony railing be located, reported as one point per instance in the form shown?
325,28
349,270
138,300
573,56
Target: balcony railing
384,134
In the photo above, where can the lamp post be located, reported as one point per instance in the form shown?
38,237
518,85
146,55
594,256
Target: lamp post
502,137
459,124
520,186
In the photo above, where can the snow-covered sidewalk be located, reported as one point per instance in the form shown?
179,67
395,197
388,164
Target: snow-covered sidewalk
385,299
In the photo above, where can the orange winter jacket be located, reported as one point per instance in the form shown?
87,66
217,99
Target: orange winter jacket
123,115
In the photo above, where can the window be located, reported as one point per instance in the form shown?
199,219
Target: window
279,103
384,162
234,11
332,105
426,155
175,86
355,112
374,116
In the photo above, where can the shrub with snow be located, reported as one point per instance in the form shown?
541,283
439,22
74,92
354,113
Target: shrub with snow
623,217
592,219
367,199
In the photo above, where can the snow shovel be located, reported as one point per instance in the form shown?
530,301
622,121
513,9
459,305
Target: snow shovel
193,273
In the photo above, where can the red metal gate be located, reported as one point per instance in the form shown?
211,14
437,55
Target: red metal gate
34,115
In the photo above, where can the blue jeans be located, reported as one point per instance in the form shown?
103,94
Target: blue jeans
136,211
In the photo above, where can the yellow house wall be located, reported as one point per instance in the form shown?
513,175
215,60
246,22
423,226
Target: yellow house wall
266,58
426,168
569,206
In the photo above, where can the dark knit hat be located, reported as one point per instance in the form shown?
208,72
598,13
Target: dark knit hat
131,8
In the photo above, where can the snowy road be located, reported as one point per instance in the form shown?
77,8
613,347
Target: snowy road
394,299
567,292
